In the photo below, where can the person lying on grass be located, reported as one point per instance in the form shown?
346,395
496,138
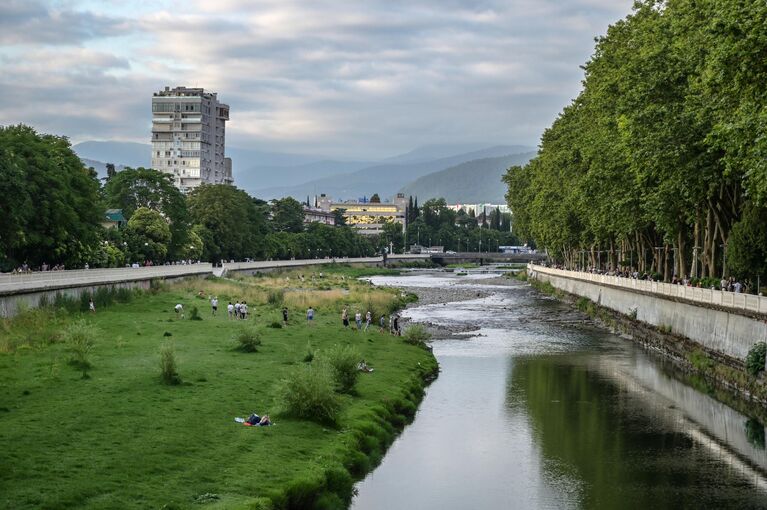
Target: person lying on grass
363,367
255,421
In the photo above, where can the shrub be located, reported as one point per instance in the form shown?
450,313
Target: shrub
168,367
248,340
309,394
194,314
755,358
416,334
755,433
309,354
276,325
344,362
665,328
80,338
276,297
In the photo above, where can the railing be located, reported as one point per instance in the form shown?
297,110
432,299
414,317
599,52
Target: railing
270,264
12,283
720,298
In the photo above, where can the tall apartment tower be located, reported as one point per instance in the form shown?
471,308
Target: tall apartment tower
188,132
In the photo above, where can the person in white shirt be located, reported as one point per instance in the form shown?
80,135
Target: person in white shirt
230,310
214,305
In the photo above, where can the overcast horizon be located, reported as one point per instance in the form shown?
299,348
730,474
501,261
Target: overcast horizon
366,80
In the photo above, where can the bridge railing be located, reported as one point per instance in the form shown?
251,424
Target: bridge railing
271,264
715,297
12,283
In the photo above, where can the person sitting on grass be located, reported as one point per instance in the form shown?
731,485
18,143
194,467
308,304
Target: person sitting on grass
363,367
179,310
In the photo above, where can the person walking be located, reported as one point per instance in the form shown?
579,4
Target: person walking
358,320
382,324
214,305
230,310
310,315
345,318
237,310
368,319
285,315
91,306
396,325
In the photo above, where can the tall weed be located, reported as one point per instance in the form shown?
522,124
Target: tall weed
344,362
168,366
309,393
80,338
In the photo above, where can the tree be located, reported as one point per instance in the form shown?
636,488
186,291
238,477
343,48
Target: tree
148,235
132,188
50,205
111,172
287,215
747,247
338,217
229,222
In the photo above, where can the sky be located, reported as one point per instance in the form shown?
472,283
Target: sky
350,79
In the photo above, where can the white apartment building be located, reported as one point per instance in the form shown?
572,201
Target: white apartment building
188,133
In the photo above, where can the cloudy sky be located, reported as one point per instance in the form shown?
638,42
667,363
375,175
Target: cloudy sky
347,78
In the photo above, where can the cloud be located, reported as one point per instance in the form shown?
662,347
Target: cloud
361,79
32,22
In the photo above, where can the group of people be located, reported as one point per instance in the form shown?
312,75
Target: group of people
236,311
726,284
394,327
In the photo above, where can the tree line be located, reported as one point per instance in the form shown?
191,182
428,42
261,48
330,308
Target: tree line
660,162
434,223
53,208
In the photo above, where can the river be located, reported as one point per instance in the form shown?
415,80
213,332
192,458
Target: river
539,409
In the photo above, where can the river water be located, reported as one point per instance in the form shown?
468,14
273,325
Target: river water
538,409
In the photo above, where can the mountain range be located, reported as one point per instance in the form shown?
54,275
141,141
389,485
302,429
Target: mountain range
269,175
474,181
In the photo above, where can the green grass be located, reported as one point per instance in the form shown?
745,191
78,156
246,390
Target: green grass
123,439
465,265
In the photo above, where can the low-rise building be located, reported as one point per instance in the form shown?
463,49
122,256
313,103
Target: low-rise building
368,218
113,218
319,216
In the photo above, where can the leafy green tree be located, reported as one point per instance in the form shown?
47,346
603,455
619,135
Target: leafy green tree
287,215
148,235
50,207
133,188
231,224
747,247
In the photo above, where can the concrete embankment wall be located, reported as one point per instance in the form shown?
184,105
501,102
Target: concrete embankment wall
721,331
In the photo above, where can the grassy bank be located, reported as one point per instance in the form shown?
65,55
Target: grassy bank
121,438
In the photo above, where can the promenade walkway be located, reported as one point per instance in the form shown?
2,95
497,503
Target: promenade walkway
727,300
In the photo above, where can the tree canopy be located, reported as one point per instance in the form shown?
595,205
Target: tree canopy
654,163
50,207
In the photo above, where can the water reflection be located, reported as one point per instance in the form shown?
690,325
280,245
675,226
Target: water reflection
534,412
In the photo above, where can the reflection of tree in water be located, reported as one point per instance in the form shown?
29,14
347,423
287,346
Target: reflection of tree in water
625,453
755,432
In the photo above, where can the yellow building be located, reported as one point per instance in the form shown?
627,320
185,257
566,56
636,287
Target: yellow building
368,218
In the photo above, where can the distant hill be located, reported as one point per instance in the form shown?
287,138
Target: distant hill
386,179
99,166
253,169
120,153
475,181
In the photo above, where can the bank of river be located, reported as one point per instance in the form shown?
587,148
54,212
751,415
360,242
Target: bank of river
534,408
